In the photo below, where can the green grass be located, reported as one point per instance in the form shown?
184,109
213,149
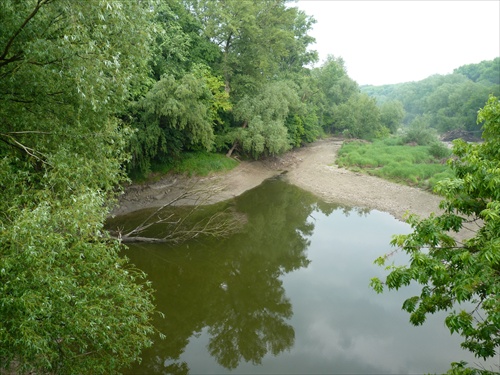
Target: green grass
196,163
421,166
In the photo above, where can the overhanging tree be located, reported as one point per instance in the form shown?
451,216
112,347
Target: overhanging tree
68,302
456,272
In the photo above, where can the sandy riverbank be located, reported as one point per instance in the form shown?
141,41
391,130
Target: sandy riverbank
311,168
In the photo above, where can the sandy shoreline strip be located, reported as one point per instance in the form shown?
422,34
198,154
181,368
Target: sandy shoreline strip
311,168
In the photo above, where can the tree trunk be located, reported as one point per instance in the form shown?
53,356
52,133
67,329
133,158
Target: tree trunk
227,78
229,153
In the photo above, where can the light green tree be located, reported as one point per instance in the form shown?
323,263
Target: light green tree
454,272
359,117
264,115
68,302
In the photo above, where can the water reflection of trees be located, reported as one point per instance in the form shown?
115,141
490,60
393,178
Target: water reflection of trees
232,288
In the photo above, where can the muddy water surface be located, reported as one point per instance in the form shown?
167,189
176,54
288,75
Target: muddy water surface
290,294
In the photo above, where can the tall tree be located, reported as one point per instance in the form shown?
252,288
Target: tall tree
256,38
184,101
262,44
68,302
454,272
334,88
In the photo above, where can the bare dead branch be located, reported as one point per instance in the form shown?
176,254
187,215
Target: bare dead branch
11,141
181,228
30,132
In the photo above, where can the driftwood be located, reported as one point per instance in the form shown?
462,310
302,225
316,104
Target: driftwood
182,228
142,239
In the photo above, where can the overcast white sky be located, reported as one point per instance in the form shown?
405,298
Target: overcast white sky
385,42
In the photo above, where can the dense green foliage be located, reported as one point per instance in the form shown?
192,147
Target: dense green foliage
485,71
445,102
461,277
235,78
391,159
230,79
359,117
68,302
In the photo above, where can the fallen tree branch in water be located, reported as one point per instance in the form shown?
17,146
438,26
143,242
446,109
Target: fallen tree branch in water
177,228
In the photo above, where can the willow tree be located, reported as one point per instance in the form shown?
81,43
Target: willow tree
68,302
461,277
264,130
177,114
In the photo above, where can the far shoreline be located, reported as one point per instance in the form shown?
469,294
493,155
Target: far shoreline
311,168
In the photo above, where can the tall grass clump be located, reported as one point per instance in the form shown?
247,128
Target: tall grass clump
203,163
392,159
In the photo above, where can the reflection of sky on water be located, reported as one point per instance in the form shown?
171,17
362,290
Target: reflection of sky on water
341,325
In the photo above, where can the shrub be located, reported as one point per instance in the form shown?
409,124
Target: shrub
420,133
439,150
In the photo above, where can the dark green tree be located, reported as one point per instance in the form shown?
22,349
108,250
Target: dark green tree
263,45
456,271
184,99
392,114
333,88
68,302
258,39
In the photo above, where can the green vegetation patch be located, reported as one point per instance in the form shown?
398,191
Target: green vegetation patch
197,163
421,166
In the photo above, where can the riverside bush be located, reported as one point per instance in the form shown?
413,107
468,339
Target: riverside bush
390,159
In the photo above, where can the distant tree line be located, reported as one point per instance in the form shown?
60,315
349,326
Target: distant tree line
444,102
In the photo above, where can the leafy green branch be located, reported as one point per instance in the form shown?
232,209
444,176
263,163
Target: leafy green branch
453,273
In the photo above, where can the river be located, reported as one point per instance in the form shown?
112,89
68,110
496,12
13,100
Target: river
289,294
